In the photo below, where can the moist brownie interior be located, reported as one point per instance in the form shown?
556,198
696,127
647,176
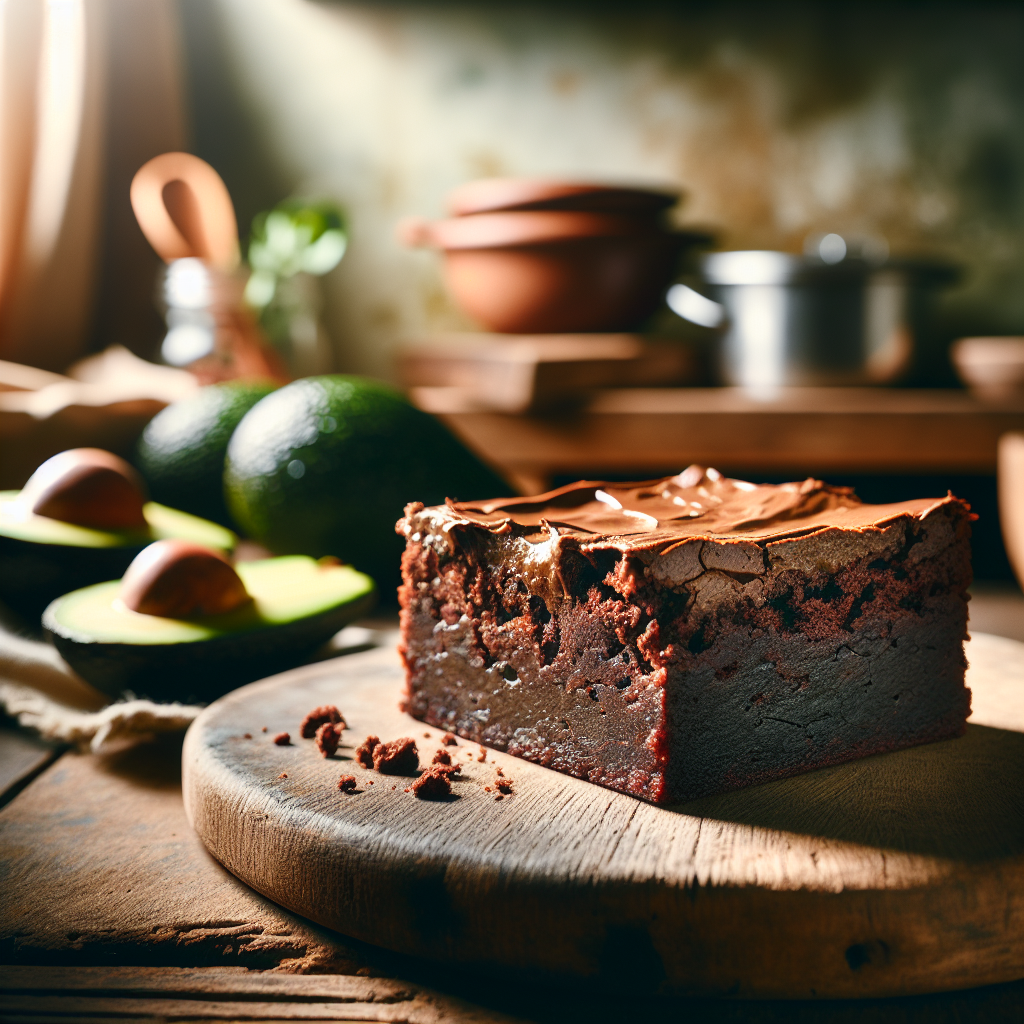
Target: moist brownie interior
676,638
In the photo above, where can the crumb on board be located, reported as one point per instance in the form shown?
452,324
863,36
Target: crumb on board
264,729
318,717
426,735
434,782
504,785
347,783
328,736
499,796
399,757
364,752
483,755
283,739
442,757
487,789
449,740
247,736
283,775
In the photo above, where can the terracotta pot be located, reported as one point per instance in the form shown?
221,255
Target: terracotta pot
491,195
546,272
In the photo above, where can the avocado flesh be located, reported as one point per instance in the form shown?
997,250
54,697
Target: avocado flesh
298,604
42,558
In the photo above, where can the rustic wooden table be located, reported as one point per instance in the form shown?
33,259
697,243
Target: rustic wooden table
110,908
796,430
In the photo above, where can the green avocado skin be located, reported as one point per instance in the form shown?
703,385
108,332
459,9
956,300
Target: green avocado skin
181,452
202,670
33,574
326,465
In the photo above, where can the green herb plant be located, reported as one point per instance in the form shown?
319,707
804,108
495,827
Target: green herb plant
290,244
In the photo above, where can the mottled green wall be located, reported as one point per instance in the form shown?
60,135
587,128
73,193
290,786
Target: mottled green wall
904,120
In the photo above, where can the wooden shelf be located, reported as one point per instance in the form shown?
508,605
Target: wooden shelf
795,431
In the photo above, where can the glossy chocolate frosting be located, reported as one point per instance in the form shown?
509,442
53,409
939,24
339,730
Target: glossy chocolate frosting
697,503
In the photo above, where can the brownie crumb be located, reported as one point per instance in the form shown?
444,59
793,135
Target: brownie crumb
399,757
406,790
434,783
247,736
347,783
328,736
442,757
504,786
264,729
499,796
449,740
328,713
364,752
283,739
426,735
487,789
483,755
283,775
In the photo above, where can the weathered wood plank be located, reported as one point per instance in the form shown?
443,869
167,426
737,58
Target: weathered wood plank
21,757
416,1010
233,982
818,430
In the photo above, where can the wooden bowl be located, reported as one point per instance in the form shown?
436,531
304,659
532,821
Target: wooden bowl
548,272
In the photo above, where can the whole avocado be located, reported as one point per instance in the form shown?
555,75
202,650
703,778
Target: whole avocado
325,466
181,452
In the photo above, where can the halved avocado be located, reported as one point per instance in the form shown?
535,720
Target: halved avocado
42,558
297,604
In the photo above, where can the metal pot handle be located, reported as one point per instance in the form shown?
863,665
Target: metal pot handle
691,305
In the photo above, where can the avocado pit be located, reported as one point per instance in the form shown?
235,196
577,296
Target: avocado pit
87,487
177,579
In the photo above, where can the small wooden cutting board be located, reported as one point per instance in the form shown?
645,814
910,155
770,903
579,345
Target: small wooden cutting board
892,875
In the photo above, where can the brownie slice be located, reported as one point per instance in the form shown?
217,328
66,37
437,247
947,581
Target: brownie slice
679,637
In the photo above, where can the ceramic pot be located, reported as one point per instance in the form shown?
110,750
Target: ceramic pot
793,320
549,272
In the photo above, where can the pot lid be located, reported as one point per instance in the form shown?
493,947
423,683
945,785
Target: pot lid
491,195
767,267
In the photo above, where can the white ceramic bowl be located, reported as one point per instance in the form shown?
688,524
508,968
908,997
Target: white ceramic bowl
993,368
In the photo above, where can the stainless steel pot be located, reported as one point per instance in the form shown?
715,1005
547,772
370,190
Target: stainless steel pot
792,320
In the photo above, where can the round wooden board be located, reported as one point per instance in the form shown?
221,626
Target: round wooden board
892,875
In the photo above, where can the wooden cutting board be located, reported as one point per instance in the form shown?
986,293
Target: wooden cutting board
892,875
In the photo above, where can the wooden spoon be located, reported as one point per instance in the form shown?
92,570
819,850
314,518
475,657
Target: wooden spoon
184,209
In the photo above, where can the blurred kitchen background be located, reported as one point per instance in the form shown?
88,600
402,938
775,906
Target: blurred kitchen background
898,123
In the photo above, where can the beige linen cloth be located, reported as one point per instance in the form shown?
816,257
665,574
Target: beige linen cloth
105,401
40,691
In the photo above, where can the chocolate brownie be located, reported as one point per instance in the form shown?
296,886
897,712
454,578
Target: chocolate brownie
680,637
